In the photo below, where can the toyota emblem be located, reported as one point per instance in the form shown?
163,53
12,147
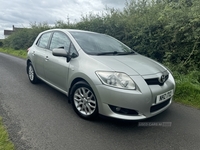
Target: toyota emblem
162,79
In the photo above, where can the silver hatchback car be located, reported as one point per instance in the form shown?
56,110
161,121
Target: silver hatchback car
100,75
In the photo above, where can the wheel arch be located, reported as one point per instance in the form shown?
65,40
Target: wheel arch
82,83
78,79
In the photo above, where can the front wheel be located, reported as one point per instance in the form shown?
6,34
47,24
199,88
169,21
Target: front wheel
31,74
84,101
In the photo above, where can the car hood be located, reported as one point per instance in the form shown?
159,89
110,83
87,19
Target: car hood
131,64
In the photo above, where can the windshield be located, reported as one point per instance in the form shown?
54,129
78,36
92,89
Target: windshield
100,44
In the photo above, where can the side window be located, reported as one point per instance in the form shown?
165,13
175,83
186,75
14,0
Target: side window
60,40
44,39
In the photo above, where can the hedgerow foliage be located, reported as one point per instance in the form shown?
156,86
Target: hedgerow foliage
23,38
165,30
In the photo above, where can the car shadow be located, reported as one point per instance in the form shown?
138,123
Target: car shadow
154,121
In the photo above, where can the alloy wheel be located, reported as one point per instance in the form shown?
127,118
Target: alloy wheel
84,101
31,73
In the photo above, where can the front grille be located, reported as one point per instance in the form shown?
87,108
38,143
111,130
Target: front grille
159,106
155,81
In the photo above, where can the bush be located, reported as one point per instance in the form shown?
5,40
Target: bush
24,38
165,30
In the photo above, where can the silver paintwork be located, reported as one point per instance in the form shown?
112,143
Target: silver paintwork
60,74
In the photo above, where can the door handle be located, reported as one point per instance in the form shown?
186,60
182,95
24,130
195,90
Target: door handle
46,58
33,53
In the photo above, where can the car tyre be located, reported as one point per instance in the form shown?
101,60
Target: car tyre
31,74
84,101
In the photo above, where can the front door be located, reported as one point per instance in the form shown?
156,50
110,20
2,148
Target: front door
56,68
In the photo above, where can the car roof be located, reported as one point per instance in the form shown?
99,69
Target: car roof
68,30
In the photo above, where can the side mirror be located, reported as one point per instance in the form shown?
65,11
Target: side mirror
59,52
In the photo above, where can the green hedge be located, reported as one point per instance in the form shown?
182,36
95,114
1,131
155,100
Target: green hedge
165,30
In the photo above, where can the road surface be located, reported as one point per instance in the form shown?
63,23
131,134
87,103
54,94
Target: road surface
39,118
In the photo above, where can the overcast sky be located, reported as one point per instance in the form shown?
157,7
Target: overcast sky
21,13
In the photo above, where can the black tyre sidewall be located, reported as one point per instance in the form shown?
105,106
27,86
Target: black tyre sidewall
74,88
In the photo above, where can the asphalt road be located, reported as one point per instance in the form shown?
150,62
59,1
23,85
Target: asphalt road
40,118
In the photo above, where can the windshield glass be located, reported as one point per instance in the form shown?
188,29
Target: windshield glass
100,44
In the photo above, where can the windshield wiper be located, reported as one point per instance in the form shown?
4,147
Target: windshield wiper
115,53
126,53
108,53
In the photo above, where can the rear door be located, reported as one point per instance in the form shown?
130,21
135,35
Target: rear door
39,53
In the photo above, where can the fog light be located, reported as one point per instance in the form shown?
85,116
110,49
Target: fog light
123,111
117,108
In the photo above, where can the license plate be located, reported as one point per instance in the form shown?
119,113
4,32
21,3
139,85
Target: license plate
164,96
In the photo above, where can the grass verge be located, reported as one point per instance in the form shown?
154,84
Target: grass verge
188,88
18,53
5,143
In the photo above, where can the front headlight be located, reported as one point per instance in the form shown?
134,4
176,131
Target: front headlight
116,79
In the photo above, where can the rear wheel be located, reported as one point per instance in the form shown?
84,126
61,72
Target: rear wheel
31,74
84,101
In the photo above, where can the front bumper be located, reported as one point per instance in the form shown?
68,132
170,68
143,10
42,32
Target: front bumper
141,103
